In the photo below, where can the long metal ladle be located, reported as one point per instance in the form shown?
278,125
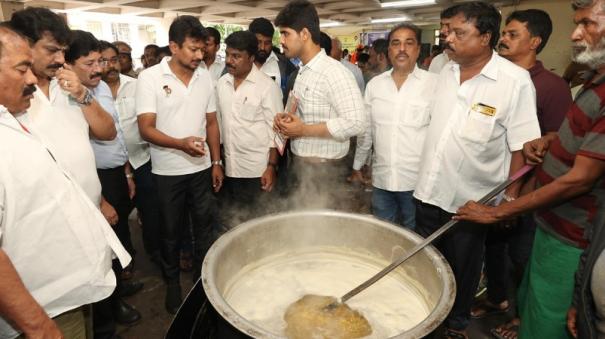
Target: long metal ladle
520,173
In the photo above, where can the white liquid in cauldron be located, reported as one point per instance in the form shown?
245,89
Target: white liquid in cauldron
261,292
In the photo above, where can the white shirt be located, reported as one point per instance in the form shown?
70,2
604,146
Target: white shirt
438,63
271,68
57,239
180,112
356,73
327,92
398,120
215,69
61,125
247,115
467,153
138,149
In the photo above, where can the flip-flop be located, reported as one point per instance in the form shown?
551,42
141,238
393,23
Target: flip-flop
451,334
488,309
507,327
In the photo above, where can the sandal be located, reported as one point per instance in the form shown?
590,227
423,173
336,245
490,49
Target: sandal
485,308
186,261
509,330
453,334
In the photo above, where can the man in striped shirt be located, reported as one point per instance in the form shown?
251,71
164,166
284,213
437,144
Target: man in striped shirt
330,108
570,193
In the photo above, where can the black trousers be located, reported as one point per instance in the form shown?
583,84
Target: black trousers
242,199
148,205
463,248
500,245
114,188
180,195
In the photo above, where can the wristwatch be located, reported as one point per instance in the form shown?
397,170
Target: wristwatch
87,100
217,162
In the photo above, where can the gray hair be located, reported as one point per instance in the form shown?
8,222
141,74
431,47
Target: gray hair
577,4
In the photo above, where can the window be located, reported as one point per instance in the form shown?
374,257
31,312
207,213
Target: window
120,31
436,37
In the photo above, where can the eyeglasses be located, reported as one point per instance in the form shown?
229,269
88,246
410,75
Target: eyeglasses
105,62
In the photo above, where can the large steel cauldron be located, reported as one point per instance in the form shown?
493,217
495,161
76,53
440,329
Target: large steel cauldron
206,314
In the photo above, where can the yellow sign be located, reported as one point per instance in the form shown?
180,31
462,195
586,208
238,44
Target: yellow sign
484,109
349,42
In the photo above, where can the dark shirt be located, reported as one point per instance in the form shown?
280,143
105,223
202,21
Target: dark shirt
553,98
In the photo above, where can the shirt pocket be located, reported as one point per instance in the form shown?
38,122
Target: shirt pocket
416,114
478,127
251,111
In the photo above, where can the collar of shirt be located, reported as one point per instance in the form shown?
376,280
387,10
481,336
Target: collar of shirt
416,73
536,69
490,70
272,56
167,71
124,80
251,77
313,62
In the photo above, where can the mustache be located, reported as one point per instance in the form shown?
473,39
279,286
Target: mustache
96,75
54,66
402,54
229,66
29,90
502,46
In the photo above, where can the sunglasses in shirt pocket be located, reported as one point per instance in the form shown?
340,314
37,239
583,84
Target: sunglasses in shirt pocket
478,127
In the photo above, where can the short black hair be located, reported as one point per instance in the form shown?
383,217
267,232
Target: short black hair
152,46
300,14
262,26
34,22
448,13
363,57
381,46
243,41
485,16
103,45
325,42
82,43
164,50
538,24
186,26
406,25
215,34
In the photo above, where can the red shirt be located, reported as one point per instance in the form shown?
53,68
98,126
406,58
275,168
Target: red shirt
582,133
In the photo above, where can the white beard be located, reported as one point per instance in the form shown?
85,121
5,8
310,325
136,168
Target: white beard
593,57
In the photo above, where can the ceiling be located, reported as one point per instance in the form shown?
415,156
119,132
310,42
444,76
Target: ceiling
349,12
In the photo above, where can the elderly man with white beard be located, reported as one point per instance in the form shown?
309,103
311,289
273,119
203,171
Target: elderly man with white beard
569,198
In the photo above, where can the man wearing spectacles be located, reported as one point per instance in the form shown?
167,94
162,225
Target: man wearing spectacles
113,169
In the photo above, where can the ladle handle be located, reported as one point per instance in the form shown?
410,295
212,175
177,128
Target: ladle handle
434,236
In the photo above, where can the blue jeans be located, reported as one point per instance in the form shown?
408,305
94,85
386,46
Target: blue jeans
396,207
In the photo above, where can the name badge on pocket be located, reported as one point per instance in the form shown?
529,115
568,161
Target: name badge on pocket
484,109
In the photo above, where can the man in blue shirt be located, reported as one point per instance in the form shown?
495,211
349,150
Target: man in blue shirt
115,174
